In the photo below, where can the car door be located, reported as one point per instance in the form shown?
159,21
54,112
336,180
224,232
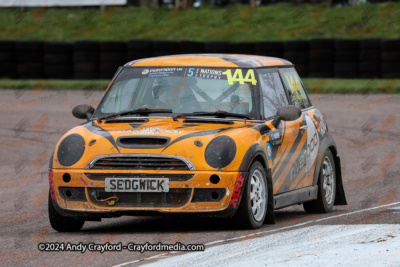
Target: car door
306,143
286,142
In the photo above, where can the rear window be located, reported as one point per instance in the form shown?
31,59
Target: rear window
295,88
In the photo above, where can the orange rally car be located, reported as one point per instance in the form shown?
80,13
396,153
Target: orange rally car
206,134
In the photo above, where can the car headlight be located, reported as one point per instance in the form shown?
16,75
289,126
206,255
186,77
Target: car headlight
220,152
71,150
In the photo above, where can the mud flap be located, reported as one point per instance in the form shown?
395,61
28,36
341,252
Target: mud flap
340,197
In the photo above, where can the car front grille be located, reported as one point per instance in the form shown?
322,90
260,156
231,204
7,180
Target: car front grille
174,198
140,162
174,177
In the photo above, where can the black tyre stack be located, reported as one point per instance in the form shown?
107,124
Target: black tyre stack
138,49
112,56
86,60
57,59
8,67
245,48
216,47
322,55
191,47
390,58
298,52
269,49
347,58
370,58
165,48
29,58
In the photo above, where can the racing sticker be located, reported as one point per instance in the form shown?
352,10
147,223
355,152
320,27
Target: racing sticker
295,87
238,76
204,73
237,190
150,130
163,72
307,157
312,143
269,151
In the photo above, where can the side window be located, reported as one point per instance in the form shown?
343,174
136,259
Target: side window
296,90
121,98
273,92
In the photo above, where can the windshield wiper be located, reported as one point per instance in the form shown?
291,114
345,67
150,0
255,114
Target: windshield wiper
219,114
141,111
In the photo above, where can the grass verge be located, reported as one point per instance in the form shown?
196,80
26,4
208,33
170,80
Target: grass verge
315,86
282,21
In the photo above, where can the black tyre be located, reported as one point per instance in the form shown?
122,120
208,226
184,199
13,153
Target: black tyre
241,48
296,46
347,45
297,58
390,45
321,55
389,56
62,223
216,47
162,48
321,66
370,55
326,187
111,46
134,55
191,47
85,57
57,58
322,44
7,57
7,46
269,48
347,56
370,44
92,46
253,207
139,45
57,48
106,57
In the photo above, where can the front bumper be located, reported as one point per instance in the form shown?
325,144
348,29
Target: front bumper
81,193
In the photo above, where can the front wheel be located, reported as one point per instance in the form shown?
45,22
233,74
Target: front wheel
326,187
253,207
62,223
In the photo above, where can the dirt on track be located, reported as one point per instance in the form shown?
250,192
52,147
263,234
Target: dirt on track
365,128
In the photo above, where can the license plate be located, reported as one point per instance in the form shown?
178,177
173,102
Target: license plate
137,185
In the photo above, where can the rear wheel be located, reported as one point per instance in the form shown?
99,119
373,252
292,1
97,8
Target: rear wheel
62,223
253,207
326,187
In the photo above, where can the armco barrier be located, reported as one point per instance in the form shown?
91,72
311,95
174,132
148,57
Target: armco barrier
317,58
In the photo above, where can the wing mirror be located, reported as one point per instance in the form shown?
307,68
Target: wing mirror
286,113
83,111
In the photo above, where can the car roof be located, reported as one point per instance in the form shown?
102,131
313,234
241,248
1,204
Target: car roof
211,60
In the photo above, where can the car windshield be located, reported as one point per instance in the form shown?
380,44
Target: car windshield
183,90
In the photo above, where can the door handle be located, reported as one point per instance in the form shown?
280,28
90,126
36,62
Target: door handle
304,127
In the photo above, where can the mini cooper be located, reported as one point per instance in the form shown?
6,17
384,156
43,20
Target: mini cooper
205,134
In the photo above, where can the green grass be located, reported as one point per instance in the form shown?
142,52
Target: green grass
237,23
324,86
54,84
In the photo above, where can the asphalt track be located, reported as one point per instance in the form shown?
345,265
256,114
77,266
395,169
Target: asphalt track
366,130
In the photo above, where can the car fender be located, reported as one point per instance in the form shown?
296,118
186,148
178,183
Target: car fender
328,143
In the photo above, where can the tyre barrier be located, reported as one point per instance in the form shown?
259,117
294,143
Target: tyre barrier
316,58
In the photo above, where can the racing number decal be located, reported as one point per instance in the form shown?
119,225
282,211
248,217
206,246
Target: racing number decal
295,87
238,77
